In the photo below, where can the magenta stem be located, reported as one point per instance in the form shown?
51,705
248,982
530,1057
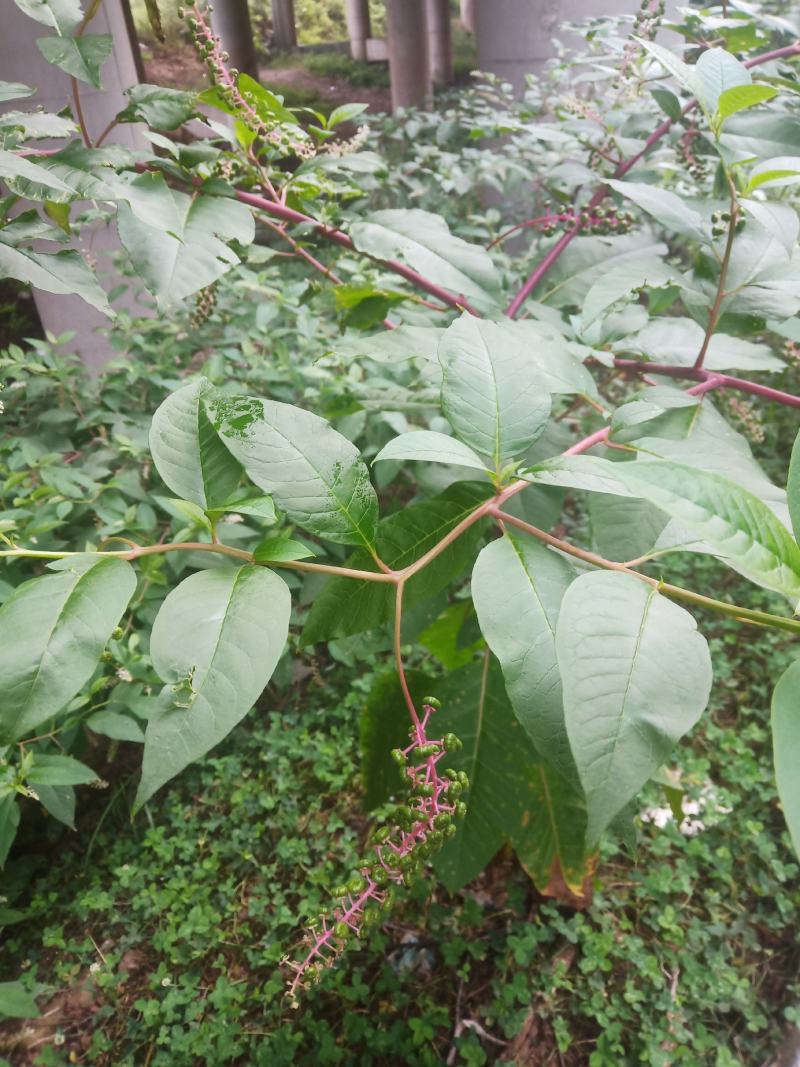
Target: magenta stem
600,194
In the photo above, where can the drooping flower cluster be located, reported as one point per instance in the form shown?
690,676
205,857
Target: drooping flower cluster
418,828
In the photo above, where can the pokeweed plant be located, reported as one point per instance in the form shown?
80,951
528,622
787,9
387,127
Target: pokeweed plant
588,667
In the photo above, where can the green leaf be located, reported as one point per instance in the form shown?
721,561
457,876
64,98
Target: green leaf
392,346
508,795
58,801
731,521
159,107
262,507
345,113
424,242
63,272
717,72
677,341
741,97
780,171
517,588
192,249
492,393
793,488
59,770
668,102
16,1002
14,91
779,220
786,747
624,529
281,549
658,411
268,105
14,166
346,606
9,821
187,452
671,63
115,725
63,16
620,281
636,677
587,261
314,473
80,57
52,632
432,447
666,207
383,726
215,642
36,124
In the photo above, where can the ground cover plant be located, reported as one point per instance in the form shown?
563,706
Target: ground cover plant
486,405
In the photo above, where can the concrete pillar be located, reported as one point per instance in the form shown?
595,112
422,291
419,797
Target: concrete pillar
468,15
408,53
230,21
515,36
358,27
283,27
440,41
21,61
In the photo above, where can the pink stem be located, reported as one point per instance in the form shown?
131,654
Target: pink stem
555,252
281,211
722,381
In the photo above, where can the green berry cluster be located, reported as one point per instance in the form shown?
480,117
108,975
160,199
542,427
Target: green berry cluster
721,221
412,833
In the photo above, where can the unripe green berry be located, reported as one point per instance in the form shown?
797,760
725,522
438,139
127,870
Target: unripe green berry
355,885
451,743
460,810
432,702
340,890
441,820
399,756
342,930
381,834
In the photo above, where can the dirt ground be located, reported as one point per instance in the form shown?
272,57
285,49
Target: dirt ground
180,68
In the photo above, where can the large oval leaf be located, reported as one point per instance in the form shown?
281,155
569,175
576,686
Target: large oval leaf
492,393
215,642
317,476
52,632
517,588
732,522
513,794
423,241
636,676
187,452
786,746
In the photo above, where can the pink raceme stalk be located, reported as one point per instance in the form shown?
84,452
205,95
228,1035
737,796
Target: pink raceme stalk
422,827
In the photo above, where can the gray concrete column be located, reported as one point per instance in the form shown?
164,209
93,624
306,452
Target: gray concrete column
358,27
515,36
21,61
283,25
440,41
408,53
230,21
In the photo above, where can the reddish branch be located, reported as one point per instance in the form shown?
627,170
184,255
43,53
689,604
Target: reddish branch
721,381
288,214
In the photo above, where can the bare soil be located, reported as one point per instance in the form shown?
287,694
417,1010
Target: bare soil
180,68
